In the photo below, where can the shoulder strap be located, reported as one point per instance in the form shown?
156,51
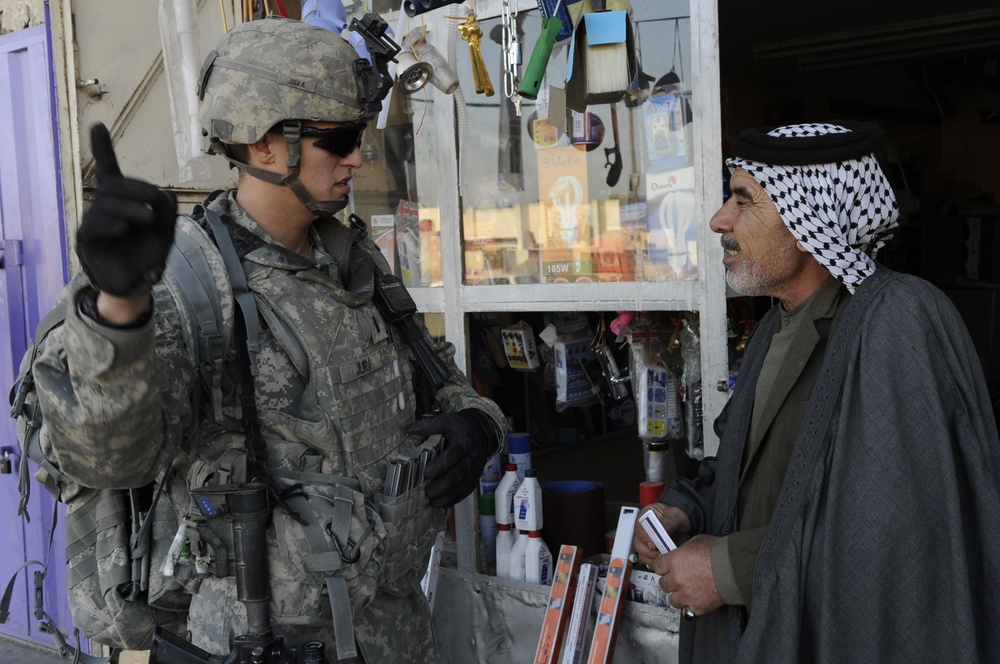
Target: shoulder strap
237,277
190,279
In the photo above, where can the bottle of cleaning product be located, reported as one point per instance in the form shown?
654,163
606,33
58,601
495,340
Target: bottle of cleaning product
488,527
505,542
528,503
491,475
519,451
517,556
506,489
537,560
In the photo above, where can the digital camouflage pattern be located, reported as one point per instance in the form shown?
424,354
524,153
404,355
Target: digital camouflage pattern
275,69
334,394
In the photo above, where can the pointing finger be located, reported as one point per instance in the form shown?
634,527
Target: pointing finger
104,153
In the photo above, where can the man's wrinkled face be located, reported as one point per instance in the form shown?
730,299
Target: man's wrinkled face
761,256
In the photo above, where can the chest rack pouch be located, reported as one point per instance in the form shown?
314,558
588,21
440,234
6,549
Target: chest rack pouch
396,305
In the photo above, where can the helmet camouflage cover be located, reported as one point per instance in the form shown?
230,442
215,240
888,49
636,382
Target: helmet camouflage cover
274,69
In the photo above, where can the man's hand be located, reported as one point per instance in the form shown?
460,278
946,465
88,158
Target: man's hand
455,471
673,519
686,576
126,233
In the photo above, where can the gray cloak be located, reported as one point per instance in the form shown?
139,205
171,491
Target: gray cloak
884,545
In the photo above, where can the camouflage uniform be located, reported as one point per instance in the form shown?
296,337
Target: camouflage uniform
335,394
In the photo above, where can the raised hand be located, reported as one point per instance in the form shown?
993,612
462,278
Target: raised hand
126,233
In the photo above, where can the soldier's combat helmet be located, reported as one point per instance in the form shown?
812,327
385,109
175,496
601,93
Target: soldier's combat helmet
278,73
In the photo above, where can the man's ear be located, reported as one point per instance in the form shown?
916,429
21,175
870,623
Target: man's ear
262,152
801,247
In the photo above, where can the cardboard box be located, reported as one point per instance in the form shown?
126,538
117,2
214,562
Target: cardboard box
519,346
572,382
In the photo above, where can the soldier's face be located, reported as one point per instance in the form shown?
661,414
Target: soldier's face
325,174
761,256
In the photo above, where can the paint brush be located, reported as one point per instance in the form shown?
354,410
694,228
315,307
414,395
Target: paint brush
606,54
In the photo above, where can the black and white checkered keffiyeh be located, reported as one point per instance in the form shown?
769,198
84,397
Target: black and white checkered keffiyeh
829,189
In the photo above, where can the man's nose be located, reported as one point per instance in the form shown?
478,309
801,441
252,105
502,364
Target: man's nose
722,220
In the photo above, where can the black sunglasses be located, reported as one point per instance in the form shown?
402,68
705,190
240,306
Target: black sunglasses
341,141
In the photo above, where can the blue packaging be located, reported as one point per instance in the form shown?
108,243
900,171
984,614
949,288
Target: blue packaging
519,451
547,7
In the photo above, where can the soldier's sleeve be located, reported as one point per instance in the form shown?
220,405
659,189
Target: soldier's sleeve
458,394
115,402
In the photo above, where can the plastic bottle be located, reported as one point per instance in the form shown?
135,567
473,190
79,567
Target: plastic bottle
537,560
488,526
519,451
517,556
528,503
491,475
508,486
505,542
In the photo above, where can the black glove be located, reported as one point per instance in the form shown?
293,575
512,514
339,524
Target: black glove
126,233
455,471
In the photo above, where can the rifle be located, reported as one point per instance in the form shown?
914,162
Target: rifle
246,510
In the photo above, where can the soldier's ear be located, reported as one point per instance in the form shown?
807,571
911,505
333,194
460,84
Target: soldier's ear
263,152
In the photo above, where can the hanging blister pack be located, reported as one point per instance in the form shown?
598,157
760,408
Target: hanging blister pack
655,386
692,389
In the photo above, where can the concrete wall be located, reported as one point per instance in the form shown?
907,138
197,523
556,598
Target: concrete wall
20,14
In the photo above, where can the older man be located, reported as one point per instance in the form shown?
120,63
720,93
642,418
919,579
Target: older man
853,511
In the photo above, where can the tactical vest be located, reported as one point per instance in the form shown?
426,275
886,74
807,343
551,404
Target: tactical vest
333,386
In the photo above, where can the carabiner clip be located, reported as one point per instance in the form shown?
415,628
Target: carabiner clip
340,550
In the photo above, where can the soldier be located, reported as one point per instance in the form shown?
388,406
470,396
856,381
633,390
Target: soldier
327,383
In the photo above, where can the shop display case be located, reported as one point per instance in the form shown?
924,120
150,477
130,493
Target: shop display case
507,209
487,212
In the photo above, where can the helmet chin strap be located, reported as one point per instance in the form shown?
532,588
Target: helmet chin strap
291,130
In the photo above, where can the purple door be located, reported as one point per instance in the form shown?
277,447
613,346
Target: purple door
33,245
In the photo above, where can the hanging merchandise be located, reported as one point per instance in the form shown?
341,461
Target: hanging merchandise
511,48
573,385
655,384
444,77
692,389
552,26
613,155
558,9
602,63
417,7
473,34
411,74
510,160
519,346
665,115
612,379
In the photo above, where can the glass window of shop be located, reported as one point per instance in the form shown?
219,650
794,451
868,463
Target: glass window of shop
576,190
576,185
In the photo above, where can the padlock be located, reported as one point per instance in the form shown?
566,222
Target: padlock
5,465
